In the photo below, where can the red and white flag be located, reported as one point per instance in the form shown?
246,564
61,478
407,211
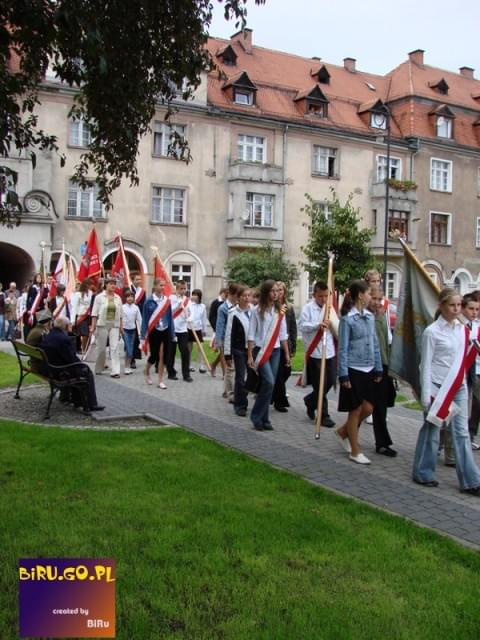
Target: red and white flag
120,269
159,271
70,285
90,266
59,276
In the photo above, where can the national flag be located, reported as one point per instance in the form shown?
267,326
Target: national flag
60,275
70,285
417,305
159,271
90,266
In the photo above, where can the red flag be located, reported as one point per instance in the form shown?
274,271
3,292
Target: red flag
159,271
119,272
60,275
90,266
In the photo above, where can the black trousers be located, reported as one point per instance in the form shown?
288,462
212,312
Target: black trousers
155,340
279,395
474,419
240,399
379,415
182,341
313,377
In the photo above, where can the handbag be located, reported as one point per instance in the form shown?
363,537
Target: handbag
252,383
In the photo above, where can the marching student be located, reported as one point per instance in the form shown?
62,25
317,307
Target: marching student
81,307
384,390
235,347
158,329
470,311
212,319
179,302
446,355
197,321
107,324
359,366
132,324
220,329
279,395
139,293
59,305
267,332
36,297
312,327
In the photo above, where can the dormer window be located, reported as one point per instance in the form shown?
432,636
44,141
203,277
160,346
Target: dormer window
440,87
313,102
443,127
228,56
375,113
378,120
241,89
323,76
242,96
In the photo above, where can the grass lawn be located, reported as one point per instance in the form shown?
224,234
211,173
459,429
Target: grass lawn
212,544
9,372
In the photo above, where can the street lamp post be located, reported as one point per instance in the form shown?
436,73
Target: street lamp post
387,196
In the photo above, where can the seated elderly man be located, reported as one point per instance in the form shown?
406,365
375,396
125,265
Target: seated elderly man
43,326
60,349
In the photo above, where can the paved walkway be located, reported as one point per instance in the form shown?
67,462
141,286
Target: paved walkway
386,483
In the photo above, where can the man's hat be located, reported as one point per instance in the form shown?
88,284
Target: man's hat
43,316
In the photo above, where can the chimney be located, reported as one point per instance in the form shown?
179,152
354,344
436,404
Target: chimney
467,72
416,56
245,38
349,64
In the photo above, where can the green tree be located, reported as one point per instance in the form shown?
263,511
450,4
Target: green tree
252,267
123,57
338,233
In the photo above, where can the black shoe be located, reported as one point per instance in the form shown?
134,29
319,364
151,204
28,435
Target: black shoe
133,365
287,403
173,377
257,427
281,409
386,451
310,412
328,422
429,483
187,379
474,491
267,426
97,407
241,412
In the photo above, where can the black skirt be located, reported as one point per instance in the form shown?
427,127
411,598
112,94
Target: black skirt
83,328
363,388
191,337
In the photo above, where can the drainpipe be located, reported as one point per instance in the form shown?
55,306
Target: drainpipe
285,130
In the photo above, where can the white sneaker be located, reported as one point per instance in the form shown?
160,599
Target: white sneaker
192,369
475,446
369,419
128,372
345,442
202,369
359,459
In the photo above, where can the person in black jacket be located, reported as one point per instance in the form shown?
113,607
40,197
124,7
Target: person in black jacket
235,347
60,350
279,396
212,318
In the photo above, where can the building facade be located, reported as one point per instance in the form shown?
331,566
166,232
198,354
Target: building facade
265,129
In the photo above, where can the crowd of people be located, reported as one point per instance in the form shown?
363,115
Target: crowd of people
255,337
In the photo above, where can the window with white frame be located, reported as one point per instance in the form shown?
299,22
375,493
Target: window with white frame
84,203
324,209
392,285
325,161
243,96
440,227
398,223
443,127
259,210
79,134
168,205
378,120
164,136
395,168
440,174
251,148
182,272
477,234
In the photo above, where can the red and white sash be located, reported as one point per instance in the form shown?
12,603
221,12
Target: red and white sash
59,309
180,308
139,295
35,306
273,332
155,318
443,408
80,319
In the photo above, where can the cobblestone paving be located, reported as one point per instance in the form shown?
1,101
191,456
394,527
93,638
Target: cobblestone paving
386,483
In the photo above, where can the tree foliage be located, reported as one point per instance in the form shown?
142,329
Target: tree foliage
252,267
122,57
338,233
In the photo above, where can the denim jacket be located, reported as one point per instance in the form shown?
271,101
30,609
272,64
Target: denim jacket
358,343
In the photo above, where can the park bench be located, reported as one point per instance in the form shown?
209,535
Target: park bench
68,376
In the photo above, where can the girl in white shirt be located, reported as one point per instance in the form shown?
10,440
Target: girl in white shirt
132,323
196,319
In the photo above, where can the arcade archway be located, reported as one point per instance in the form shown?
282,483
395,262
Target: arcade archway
15,265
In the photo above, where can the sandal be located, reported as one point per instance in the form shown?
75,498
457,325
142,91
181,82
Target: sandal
161,385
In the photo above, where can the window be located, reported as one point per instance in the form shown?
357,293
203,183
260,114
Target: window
440,228
242,96
398,223
443,127
84,203
392,285
168,205
378,120
79,134
325,161
259,210
163,137
440,175
251,148
182,272
395,168
319,109
477,234
324,209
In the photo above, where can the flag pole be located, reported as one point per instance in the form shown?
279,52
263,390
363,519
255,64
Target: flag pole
127,270
420,266
202,350
326,319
